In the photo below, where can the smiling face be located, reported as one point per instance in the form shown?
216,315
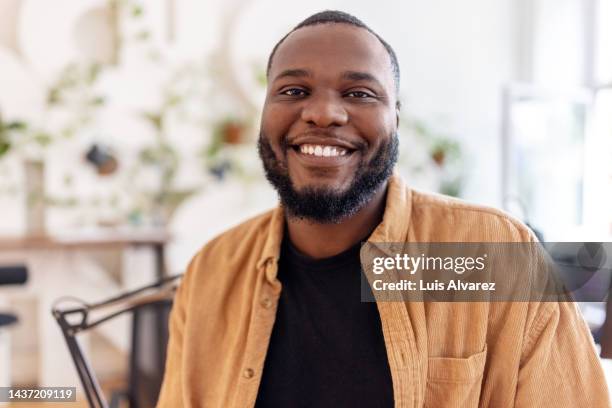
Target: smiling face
328,133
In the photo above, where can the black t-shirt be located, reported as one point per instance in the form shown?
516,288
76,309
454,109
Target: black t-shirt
327,347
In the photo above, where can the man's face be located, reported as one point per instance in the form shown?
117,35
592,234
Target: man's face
329,121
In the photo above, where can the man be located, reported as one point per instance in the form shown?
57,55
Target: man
269,313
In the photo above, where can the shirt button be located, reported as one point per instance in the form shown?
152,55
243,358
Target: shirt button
266,303
248,373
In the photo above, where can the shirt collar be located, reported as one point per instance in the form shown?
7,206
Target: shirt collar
393,228
396,219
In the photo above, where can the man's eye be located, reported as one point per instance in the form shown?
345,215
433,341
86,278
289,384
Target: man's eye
294,92
359,94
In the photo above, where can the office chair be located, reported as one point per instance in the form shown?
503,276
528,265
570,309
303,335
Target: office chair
150,307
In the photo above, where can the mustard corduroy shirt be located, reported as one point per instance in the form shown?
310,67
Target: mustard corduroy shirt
472,354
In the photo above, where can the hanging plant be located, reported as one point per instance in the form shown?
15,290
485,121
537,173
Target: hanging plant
8,130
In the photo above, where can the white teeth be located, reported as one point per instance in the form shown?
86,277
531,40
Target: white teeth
322,151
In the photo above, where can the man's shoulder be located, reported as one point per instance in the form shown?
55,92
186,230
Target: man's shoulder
439,202
447,218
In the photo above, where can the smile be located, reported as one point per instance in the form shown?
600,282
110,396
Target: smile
322,151
312,155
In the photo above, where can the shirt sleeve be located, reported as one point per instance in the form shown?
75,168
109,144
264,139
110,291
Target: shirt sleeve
171,393
559,365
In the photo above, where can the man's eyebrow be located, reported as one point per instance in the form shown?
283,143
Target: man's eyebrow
295,73
361,76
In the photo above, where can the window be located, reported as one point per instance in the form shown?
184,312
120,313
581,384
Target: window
603,42
599,174
558,122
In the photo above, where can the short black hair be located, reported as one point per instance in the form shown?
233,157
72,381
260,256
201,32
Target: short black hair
340,17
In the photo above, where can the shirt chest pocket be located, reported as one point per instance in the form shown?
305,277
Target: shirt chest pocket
455,382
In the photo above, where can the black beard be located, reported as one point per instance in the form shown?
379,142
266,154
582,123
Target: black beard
326,205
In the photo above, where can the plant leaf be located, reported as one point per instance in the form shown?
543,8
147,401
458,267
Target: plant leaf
4,148
17,125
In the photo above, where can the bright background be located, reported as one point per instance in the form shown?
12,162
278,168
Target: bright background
505,102
199,65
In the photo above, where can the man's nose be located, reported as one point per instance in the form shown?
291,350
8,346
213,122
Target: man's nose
324,111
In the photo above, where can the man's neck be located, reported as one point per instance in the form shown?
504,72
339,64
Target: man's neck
324,240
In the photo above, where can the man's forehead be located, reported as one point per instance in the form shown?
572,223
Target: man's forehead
336,47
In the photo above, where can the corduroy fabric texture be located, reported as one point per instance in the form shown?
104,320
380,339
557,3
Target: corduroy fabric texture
498,354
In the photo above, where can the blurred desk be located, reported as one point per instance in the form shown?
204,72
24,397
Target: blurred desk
119,239
90,265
